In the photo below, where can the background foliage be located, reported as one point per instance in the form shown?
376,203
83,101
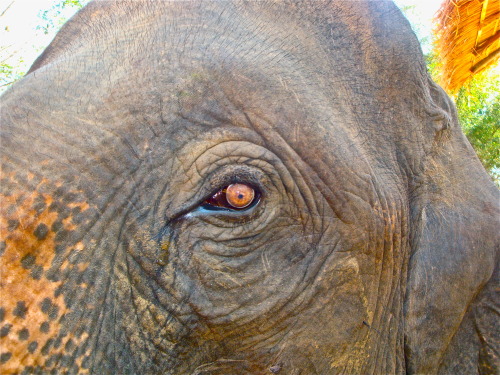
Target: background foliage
478,102
54,17
16,56
478,105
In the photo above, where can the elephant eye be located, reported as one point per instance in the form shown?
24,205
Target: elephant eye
238,196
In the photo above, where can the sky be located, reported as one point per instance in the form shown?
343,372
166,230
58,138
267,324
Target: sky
421,17
19,37
424,9
20,40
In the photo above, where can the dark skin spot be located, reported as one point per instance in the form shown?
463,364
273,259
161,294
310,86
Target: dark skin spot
32,346
86,362
44,327
28,370
67,361
62,210
5,182
70,345
49,308
20,199
11,210
62,319
45,349
41,231
56,226
28,261
74,257
59,291
53,275
78,332
36,272
78,217
23,334
61,235
20,310
46,305
2,314
75,369
39,206
4,331
3,245
45,189
60,191
12,225
4,357
70,198
52,360
60,249
58,342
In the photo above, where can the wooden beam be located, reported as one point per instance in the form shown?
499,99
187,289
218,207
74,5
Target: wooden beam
486,43
482,63
481,20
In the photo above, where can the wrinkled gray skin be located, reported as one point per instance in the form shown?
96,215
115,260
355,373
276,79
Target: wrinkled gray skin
373,248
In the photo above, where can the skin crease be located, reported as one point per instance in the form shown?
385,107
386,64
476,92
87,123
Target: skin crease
373,248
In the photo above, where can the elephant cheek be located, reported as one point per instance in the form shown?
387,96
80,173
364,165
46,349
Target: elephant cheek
32,311
338,318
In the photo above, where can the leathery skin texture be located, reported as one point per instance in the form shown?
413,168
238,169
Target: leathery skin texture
231,187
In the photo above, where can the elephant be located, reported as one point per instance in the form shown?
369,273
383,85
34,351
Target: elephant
240,187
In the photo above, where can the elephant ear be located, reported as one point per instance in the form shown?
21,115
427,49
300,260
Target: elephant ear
73,35
70,36
451,306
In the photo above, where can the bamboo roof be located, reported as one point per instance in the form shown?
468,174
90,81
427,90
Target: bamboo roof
468,39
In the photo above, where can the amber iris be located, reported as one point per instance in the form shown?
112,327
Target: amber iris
236,196
239,195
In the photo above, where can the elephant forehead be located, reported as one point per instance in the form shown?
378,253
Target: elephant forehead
137,42
175,27
160,59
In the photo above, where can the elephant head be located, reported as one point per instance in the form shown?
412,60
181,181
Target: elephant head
242,188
